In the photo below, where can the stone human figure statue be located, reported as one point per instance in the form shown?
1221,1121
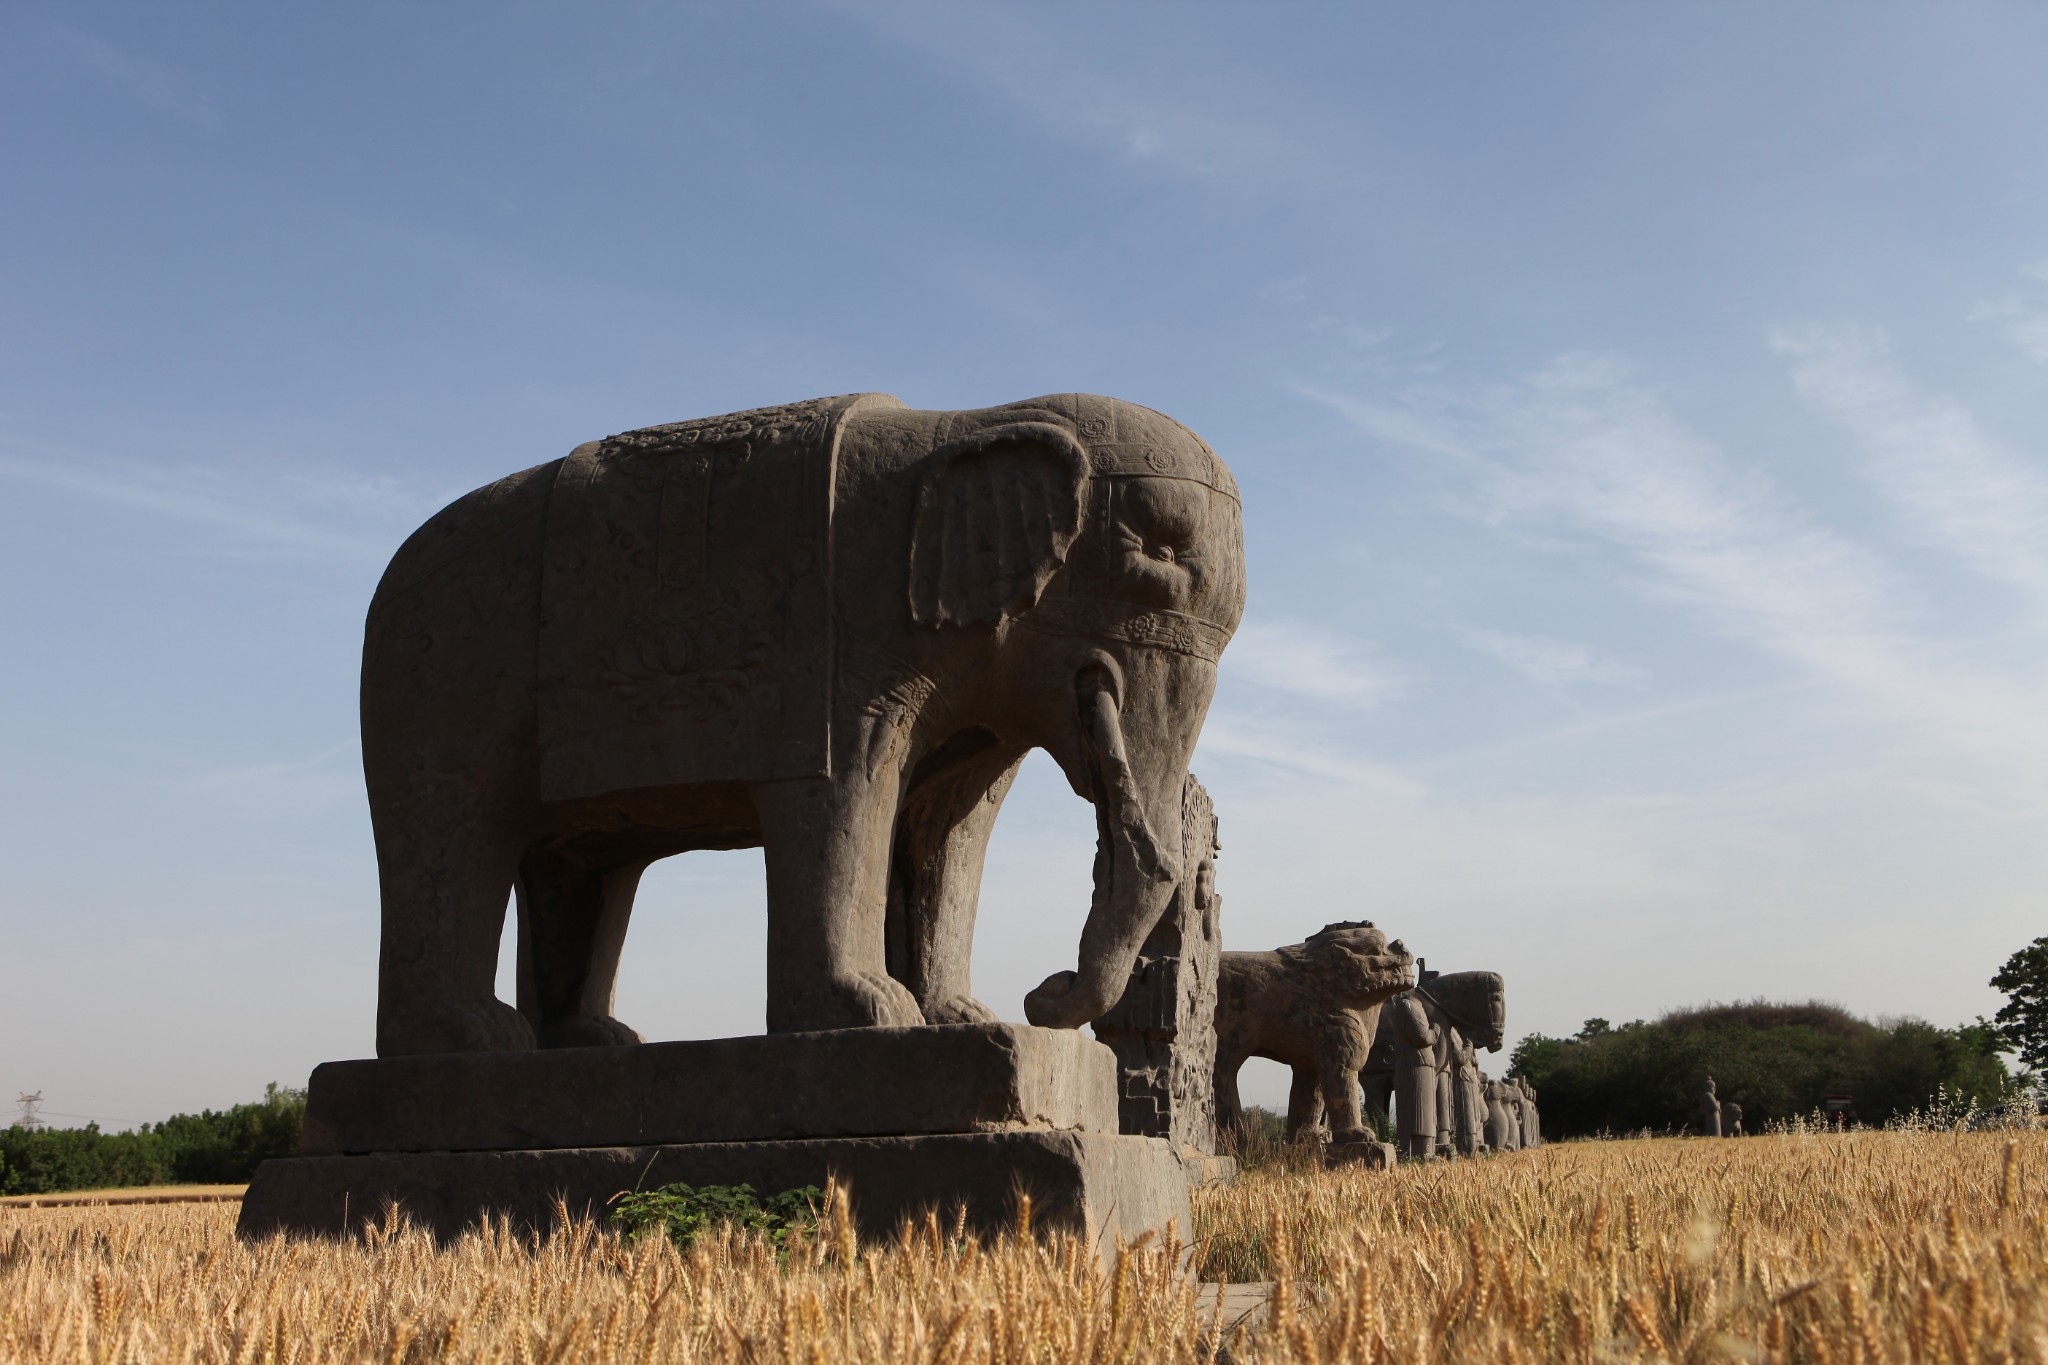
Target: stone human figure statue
1468,1100
1415,1036
1731,1119
1532,1121
1449,1044
1501,1129
1710,1111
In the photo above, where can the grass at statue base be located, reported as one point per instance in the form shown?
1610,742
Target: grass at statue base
1869,1246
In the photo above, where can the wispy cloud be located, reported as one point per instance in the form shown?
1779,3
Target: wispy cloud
1546,660
1117,106
129,75
2025,316
1310,662
1582,446
151,491
1957,487
1583,452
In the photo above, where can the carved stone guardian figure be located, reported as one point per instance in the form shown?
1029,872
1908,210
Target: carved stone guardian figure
1731,1119
1413,1038
1468,1101
1710,1111
1313,1006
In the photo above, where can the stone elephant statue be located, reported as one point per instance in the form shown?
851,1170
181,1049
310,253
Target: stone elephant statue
832,630
1312,1006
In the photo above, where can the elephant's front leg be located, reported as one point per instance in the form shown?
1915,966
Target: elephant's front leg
826,849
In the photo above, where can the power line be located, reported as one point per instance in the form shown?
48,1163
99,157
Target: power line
32,1114
91,1118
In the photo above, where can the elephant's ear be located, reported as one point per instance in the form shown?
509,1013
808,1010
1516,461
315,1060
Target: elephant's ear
996,514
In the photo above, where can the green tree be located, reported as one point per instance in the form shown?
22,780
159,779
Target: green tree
2022,1021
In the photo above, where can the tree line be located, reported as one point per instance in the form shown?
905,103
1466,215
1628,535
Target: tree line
212,1147
1778,1061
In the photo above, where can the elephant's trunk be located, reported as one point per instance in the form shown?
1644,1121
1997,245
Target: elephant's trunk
1137,865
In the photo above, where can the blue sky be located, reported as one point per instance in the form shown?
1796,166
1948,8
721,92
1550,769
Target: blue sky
1639,412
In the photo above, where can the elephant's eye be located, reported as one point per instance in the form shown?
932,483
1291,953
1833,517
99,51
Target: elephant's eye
1163,553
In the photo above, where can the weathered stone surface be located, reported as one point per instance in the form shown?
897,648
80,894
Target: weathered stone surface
1102,1185
1313,1006
1163,1029
958,1078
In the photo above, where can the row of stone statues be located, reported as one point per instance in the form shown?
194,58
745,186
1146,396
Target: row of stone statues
1367,1042
1370,1035
1423,1072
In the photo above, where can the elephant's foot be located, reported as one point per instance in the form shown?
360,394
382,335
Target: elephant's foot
588,1030
871,1000
465,1026
960,1009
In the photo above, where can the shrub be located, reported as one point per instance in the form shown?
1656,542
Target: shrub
684,1212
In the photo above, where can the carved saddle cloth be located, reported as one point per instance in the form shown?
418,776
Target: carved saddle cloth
686,603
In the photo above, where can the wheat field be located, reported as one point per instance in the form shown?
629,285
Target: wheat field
1858,1247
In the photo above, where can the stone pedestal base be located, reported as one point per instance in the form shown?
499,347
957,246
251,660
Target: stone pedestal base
1101,1186
911,1119
1374,1156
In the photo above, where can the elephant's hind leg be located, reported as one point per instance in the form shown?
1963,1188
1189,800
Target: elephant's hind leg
445,874
935,863
572,926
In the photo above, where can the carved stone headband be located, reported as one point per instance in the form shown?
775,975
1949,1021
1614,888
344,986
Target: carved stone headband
1162,462
1110,620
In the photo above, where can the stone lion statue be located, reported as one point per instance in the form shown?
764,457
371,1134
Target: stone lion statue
1312,1006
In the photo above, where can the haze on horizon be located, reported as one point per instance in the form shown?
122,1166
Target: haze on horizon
1639,413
